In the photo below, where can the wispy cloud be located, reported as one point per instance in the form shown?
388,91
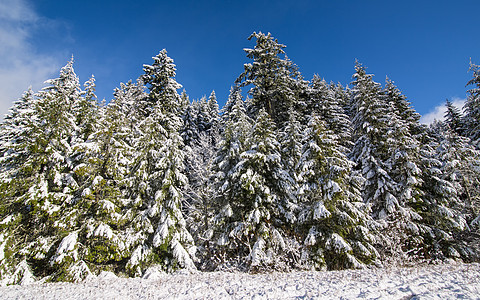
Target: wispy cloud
438,113
21,65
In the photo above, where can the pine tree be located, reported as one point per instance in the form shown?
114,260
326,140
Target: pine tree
259,202
385,154
106,157
442,210
370,121
190,131
472,107
236,128
199,193
404,110
44,209
291,143
453,117
343,96
15,131
86,111
333,217
156,177
325,104
15,123
213,110
274,78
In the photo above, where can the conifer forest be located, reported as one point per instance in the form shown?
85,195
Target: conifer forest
291,174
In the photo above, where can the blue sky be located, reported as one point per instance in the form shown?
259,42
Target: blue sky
424,46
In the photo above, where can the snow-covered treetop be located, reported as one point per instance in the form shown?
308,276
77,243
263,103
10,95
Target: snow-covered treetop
160,79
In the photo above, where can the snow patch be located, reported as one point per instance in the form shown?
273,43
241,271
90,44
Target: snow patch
447,281
66,248
320,211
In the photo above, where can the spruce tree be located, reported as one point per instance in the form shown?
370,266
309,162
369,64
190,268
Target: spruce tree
384,153
156,176
260,202
273,77
370,152
213,110
442,209
472,107
333,217
106,157
404,109
325,104
291,143
43,204
453,117
190,129
236,128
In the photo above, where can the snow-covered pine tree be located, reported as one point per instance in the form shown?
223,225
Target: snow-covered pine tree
201,135
404,110
441,208
343,96
432,195
184,101
317,94
15,130
200,194
43,212
190,130
369,128
453,117
273,77
472,107
105,158
203,115
236,126
85,110
214,112
204,135
461,166
325,104
402,146
291,143
384,153
333,220
14,124
156,177
259,205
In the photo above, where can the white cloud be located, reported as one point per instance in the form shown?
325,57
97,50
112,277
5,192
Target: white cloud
438,113
20,65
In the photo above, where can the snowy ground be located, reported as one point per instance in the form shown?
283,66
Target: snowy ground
426,282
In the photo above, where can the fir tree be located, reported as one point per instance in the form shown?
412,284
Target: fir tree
213,110
333,217
236,128
291,143
274,78
370,126
404,109
44,210
190,131
260,204
441,208
472,107
453,117
106,157
325,104
385,154
156,177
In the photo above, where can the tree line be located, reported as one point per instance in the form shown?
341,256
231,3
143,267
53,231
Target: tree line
290,174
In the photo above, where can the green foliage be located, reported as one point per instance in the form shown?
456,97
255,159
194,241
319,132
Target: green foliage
299,175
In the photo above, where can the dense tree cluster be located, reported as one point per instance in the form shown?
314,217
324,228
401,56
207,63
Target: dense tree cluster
290,174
